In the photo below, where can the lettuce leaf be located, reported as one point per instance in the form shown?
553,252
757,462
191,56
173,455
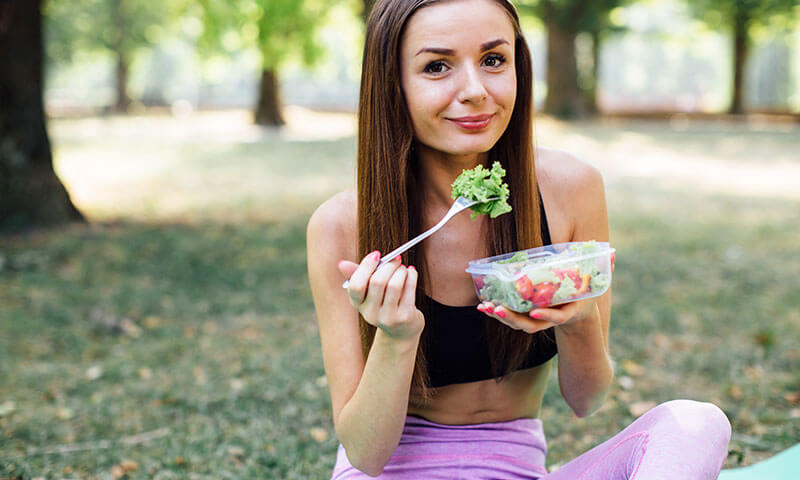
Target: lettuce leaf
480,184
504,293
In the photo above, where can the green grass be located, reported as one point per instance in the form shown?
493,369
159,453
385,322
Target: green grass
184,308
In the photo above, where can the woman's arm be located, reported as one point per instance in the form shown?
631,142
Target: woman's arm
584,366
369,396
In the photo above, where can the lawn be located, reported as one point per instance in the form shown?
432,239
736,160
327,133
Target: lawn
174,336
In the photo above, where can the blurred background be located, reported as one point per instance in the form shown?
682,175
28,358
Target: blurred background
612,56
159,162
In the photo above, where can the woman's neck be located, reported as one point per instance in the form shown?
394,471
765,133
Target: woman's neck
439,170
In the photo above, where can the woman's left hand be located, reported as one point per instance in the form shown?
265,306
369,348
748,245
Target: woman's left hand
543,318
540,318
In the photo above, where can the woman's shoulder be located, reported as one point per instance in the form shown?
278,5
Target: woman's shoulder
569,172
572,189
334,225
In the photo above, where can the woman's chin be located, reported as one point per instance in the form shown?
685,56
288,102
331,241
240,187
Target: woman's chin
464,148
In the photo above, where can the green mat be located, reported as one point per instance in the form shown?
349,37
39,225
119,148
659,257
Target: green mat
783,466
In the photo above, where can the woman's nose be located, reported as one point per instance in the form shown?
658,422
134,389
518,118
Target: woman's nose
472,88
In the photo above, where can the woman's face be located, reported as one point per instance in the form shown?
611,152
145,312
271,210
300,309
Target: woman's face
458,74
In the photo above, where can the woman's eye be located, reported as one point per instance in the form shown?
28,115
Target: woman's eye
495,60
434,67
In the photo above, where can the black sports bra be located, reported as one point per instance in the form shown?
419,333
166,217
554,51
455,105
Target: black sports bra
456,347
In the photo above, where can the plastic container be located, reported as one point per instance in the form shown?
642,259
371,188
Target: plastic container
544,276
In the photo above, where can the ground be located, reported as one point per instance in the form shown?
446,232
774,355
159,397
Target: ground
174,336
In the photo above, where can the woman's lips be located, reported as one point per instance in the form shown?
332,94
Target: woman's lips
475,122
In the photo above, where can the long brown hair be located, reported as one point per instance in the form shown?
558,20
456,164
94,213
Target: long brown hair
389,208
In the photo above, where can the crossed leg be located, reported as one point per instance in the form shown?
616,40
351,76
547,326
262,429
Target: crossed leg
679,439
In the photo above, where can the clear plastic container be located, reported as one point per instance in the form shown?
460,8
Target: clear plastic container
544,276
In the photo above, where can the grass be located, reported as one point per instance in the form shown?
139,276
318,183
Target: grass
174,336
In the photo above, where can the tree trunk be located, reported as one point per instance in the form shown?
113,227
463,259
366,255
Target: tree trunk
268,111
30,192
368,4
590,90
564,97
123,100
740,51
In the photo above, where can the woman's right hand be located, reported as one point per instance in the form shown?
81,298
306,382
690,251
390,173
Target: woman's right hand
386,295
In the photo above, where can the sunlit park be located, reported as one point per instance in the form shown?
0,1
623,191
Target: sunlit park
159,163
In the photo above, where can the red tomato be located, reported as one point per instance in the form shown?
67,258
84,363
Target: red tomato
543,293
524,287
572,273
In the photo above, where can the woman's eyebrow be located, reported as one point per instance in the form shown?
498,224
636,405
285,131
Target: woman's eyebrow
493,43
439,51
448,51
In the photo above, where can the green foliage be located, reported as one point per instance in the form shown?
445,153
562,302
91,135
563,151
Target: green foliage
121,26
278,29
727,13
590,16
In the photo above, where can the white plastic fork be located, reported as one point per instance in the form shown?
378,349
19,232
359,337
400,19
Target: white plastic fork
460,204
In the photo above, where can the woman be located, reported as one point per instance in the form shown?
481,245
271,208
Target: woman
425,381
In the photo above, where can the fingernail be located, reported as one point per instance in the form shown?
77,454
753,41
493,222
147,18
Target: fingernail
490,309
500,313
339,265
411,267
536,315
376,255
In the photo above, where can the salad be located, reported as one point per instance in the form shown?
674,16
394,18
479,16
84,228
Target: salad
545,276
479,184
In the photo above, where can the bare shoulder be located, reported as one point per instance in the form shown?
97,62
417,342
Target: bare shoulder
573,189
333,225
566,172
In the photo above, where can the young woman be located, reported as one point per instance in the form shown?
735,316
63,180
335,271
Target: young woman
425,381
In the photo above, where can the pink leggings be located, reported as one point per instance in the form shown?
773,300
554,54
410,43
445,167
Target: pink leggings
680,439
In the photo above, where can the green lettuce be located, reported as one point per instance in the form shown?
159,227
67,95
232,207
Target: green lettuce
480,184
520,256
501,292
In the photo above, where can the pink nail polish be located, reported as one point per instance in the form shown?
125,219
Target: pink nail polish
490,309
536,315
411,267
376,255
500,313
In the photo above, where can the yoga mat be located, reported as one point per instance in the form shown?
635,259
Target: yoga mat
783,466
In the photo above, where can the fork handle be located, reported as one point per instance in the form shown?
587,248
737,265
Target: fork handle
422,236
402,248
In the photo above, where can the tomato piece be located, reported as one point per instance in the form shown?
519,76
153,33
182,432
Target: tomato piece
524,287
573,273
543,293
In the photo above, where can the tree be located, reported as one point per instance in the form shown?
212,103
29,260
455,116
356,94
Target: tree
564,20
738,16
368,4
120,27
30,192
278,29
